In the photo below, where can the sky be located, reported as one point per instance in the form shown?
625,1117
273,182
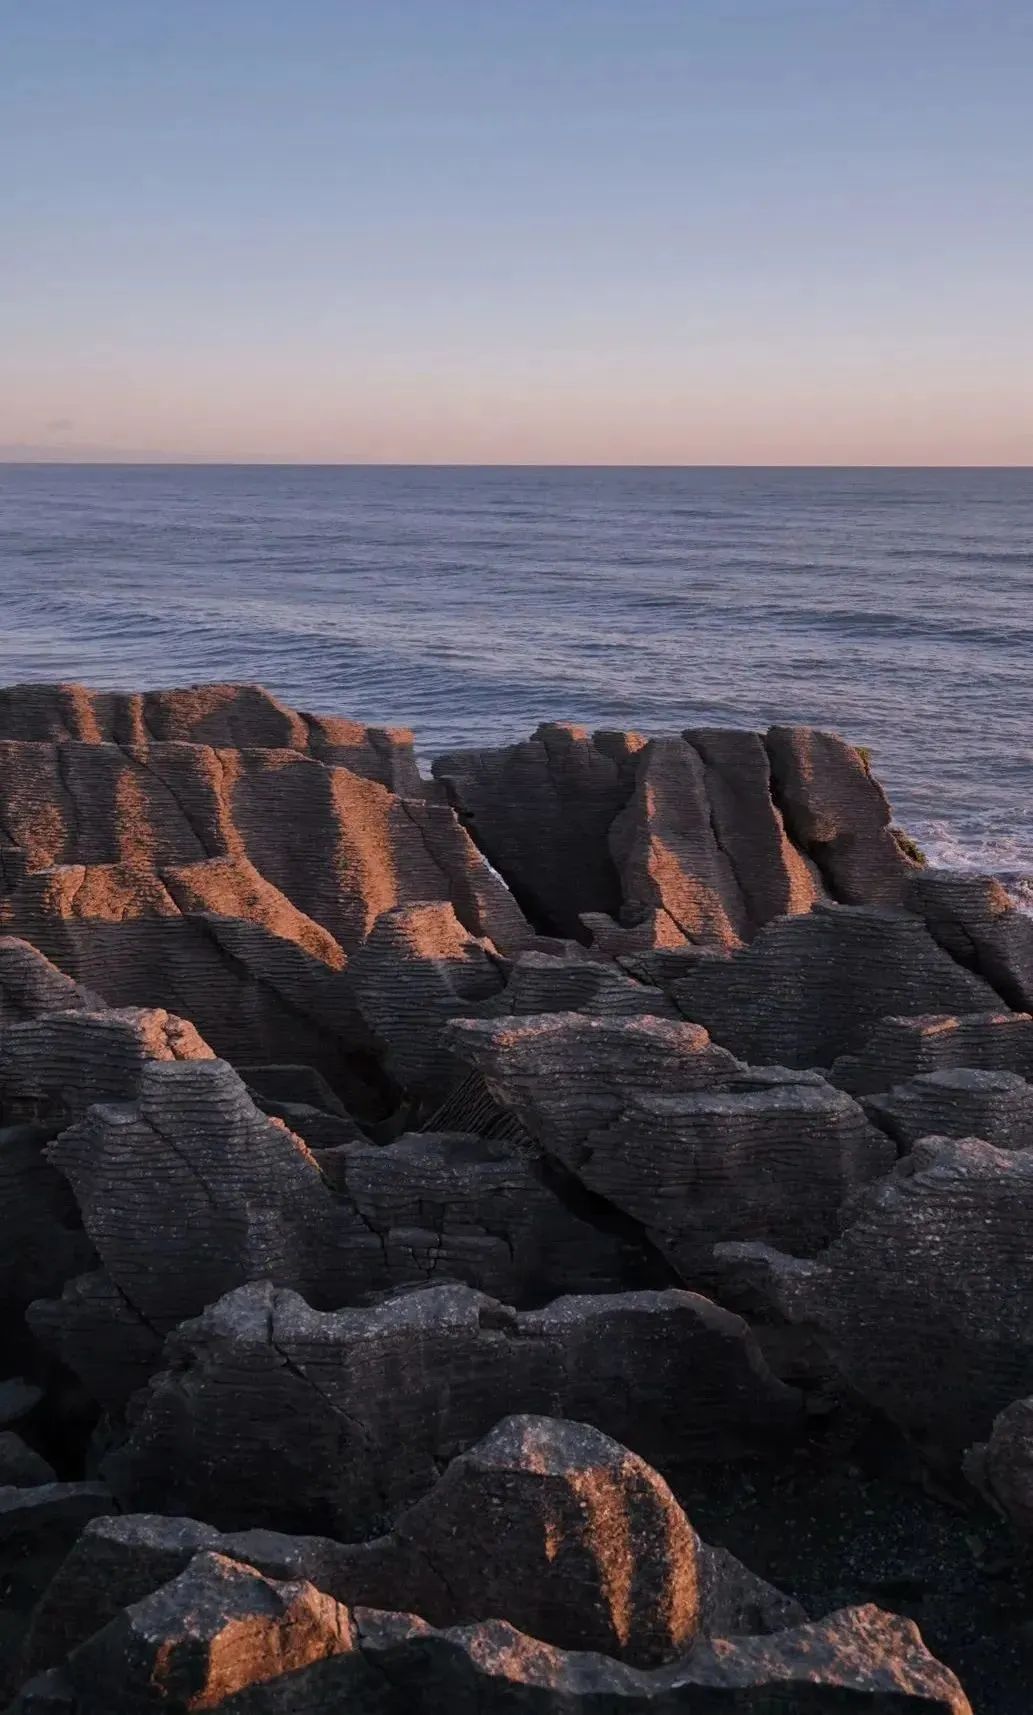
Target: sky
510,231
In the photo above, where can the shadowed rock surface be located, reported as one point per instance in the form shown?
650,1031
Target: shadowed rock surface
997,1106
902,1048
30,985
190,1191
464,1070
1002,1466
271,1413
547,1523
810,989
306,1652
973,917
675,1133
926,1301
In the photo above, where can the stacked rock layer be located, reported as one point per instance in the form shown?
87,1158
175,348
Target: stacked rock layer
416,1188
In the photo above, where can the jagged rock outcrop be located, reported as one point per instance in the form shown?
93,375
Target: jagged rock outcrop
418,969
1002,1466
52,1067
925,1303
903,1048
190,1191
541,812
541,982
269,1412
30,985
215,943
548,1524
57,1066
451,1206
810,989
976,920
838,815
181,1647
340,847
670,1129
997,1106
226,716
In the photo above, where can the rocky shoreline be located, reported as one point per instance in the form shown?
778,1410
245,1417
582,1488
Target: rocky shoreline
552,1235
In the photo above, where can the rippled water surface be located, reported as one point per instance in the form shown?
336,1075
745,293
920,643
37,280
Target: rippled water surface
896,606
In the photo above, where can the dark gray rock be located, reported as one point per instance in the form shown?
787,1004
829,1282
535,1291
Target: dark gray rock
181,1647
17,1399
291,1085
419,969
997,1106
902,1048
49,1510
270,1413
674,1133
30,985
541,812
21,1466
1002,1466
548,1524
976,920
925,1302
810,989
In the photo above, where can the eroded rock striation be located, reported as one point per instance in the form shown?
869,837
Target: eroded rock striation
420,1197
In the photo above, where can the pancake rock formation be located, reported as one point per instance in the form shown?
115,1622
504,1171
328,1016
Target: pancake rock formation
426,1199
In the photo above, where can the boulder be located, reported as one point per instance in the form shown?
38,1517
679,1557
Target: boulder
182,1647
548,1524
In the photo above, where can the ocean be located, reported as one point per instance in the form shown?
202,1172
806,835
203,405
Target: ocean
895,606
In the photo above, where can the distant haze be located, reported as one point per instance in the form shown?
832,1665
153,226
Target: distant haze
660,232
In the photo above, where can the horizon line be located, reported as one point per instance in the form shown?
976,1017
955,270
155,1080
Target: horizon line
208,463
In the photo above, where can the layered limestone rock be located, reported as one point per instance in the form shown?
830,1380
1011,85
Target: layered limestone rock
671,1130
974,918
418,969
30,985
225,716
810,989
701,838
903,1048
190,1191
541,811
997,1106
53,1066
925,1302
339,847
182,1647
837,814
271,1413
546,1523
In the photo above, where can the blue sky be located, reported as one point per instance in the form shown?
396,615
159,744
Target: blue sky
590,231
